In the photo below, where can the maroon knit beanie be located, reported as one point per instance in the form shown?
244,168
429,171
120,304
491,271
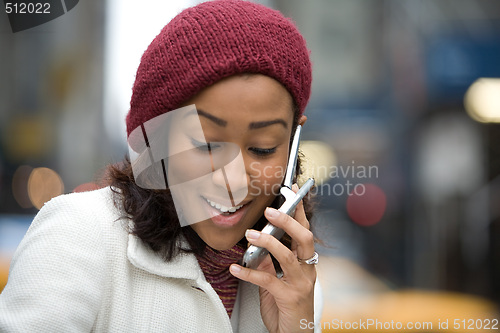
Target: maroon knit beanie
214,40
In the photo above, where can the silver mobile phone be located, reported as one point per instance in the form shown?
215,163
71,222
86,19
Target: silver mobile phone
255,254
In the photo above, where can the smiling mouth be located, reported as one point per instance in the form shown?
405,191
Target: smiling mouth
223,209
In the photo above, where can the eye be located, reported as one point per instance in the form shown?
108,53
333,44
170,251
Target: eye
262,151
204,147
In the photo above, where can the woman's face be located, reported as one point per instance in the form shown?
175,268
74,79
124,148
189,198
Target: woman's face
250,116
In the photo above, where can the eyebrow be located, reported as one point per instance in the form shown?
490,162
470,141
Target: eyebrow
260,124
218,121
252,125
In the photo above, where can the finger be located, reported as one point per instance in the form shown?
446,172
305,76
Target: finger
300,216
300,213
267,265
263,279
303,236
287,259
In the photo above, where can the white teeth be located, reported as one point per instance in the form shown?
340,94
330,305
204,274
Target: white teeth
222,208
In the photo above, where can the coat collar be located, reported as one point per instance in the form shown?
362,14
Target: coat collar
183,266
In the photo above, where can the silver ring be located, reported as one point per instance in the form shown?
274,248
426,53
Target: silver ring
311,261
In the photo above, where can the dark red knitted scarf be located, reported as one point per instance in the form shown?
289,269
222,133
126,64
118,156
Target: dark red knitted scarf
215,266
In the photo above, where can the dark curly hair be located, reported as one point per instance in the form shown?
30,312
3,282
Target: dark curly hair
155,219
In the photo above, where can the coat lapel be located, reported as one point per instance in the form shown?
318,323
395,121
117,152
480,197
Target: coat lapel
184,265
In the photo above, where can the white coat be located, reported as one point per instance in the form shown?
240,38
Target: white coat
79,270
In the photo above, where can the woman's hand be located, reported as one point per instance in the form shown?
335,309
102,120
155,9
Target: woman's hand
286,301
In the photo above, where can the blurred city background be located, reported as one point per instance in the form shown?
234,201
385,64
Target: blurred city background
405,109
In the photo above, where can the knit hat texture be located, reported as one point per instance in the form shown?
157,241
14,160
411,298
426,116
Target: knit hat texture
214,40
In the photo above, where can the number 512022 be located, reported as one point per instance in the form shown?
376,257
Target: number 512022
27,8
475,324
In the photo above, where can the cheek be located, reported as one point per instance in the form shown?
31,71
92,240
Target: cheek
187,166
266,177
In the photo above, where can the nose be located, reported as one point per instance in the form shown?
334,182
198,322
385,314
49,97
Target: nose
234,178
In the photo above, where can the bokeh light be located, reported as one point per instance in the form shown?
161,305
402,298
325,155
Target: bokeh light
20,186
319,158
482,100
366,204
43,185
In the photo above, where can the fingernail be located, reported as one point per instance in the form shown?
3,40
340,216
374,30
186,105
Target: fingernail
271,212
252,234
235,268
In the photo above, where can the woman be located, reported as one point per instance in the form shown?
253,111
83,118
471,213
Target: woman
217,97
